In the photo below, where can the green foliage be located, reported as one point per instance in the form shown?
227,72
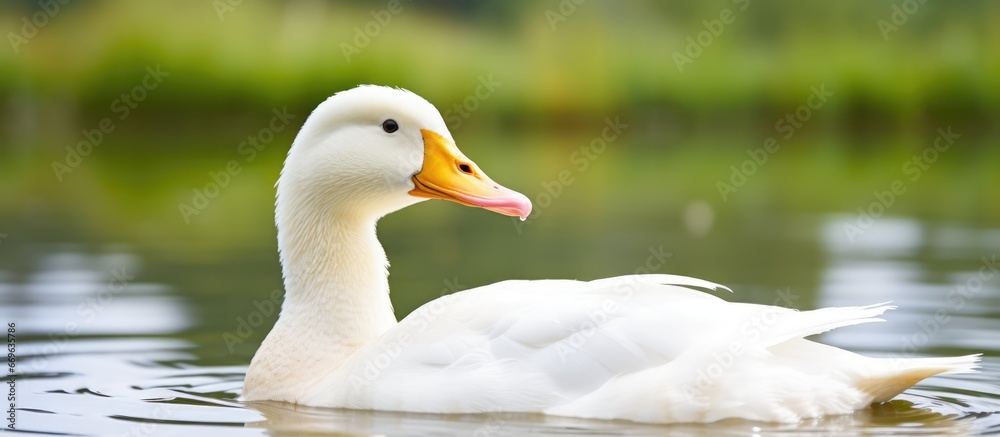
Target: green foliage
560,80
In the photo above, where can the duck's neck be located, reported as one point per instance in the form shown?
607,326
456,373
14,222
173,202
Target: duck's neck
336,284
336,299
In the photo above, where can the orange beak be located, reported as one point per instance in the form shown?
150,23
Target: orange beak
447,174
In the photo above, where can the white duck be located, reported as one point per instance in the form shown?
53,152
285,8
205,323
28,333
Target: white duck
644,347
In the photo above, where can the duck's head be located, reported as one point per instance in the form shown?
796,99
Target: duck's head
373,150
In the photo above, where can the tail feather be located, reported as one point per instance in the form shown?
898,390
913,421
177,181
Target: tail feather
806,323
904,373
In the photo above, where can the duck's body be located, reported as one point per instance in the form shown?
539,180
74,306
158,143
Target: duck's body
644,348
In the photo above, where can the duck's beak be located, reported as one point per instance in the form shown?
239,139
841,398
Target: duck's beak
447,174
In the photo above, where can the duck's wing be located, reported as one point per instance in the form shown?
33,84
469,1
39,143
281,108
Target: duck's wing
641,347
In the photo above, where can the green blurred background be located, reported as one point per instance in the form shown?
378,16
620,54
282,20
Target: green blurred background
231,64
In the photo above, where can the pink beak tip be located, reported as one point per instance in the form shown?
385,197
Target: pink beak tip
506,202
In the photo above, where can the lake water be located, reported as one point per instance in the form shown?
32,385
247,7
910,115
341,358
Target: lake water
153,338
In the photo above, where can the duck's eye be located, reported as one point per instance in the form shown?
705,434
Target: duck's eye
390,126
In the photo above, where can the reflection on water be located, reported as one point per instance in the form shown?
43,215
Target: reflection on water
69,293
126,341
946,292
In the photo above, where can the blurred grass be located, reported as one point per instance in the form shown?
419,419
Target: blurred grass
606,59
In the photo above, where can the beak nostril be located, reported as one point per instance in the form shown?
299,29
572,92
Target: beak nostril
465,168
